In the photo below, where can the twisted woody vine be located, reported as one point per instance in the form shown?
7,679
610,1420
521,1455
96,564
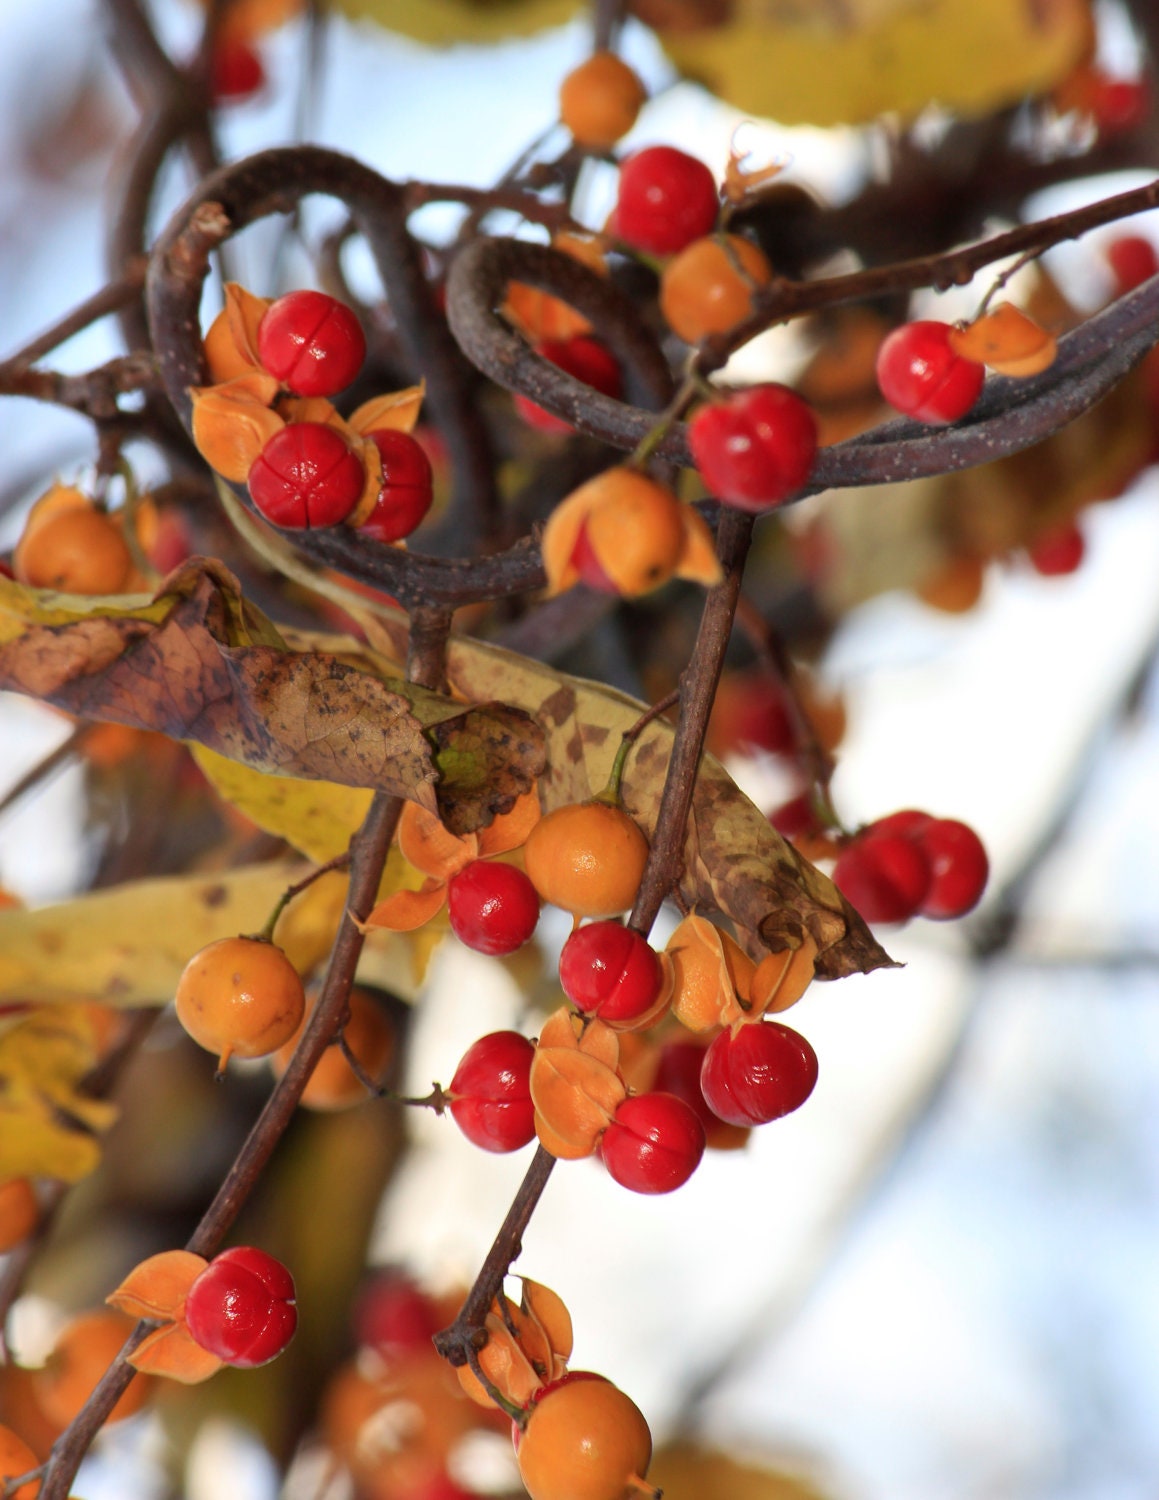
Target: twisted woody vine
353,623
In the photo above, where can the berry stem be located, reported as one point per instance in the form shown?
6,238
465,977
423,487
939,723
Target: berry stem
339,862
516,1413
457,1342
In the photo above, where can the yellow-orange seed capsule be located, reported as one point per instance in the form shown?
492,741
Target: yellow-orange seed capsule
586,858
16,1457
19,1212
78,551
585,1440
708,288
599,100
240,997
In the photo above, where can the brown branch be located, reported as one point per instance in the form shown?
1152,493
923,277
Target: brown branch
94,393
665,863
368,855
783,299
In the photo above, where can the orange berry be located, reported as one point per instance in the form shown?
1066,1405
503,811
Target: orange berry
16,1457
635,530
333,1084
585,1440
19,1212
78,551
240,997
84,1350
599,100
587,858
708,288
956,586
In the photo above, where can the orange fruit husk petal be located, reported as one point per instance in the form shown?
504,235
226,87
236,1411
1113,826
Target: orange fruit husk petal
1033,364
425,843
233,422
547,1309
538,314
1002,335
507,1368
780,979
316,409
600,1041
710,970
404,911
575,1097
372,468
243,313
698,561
224,360
561,1029
158,1287
399,411
509,830
172,1352
560,536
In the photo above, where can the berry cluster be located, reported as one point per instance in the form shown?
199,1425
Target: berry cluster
911,864
267,420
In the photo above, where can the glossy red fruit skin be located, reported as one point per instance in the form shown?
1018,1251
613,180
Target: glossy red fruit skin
491,1091
306,476
920,375
585,358
959,868
235,72
1058,552
588,565
1133,261
654,1143
609,971
493,908
666,200
908,822
408,487
241,1307
312,343
756,447
885,876
767,1070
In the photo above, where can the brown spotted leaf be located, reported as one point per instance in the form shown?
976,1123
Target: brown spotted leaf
199,663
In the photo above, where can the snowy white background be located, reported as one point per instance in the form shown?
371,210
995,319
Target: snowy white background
939,1281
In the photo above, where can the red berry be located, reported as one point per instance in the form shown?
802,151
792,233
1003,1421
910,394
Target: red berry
795,818
958,866
1133,261
678,1072
241,1307
654,1143
610,971
1058,552
666,200
588,565
755,447
588,360
909,822
1119,104
886,877
919,373
493,908
491,1092
307,475
765,1071
392,1314
312,343
407,486
235,72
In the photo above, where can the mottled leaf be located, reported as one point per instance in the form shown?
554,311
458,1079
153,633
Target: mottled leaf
47,1128
211,669
686,1472
447,22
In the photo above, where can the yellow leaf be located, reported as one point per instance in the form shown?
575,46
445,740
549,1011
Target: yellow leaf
48,1129
127,946
316,817
443,22
828,65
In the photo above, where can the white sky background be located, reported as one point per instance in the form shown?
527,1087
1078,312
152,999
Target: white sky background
977,1316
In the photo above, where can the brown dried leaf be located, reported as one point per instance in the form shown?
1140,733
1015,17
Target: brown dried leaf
201,664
